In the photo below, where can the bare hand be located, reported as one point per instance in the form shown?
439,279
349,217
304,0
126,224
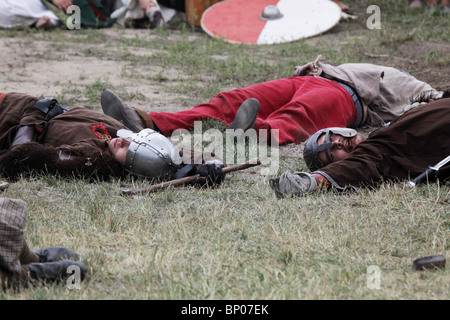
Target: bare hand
63,4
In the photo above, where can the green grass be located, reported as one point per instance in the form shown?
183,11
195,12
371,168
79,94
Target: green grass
238,241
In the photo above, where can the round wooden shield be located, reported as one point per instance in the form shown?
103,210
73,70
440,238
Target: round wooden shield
247,21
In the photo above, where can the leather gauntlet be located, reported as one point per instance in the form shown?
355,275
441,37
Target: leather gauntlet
23,135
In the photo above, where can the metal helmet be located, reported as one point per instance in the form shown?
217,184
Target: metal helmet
312,149
150,154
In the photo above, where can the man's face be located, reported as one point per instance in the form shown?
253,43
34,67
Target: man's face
341,149
119,148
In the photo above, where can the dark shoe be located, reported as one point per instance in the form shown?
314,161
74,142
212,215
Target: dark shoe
114,107
275,185
54,271
53,254
429,263
157,20
246,115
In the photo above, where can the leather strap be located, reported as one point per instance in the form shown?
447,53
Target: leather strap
147,120
184,172
50,107
357,101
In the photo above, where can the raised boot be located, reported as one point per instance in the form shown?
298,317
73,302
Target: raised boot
246,115
114,107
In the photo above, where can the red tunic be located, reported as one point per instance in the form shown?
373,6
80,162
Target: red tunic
296,106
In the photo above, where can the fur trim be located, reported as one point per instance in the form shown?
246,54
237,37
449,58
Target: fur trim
429,96
43,158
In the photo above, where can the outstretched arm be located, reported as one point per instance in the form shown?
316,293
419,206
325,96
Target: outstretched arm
298,184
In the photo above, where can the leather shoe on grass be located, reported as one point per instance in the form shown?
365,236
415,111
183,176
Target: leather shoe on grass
53,254
56,271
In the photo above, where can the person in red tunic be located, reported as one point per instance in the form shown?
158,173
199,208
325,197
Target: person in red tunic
317,96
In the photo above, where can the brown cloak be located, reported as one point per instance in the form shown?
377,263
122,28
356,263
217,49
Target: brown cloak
403,150
73,143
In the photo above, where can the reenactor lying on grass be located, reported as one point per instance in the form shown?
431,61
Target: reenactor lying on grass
342,159
77,14
45,136
317,96
47,14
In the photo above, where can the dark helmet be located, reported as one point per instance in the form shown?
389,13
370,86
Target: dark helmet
312,149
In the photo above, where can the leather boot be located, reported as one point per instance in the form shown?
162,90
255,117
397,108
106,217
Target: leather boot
53,254
54,271
246,115
114,107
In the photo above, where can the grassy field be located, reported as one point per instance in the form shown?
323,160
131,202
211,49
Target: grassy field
238,241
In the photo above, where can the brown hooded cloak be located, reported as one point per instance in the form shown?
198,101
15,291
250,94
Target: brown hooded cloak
72,143
403,150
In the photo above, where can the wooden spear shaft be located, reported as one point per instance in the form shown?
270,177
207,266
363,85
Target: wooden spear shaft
186,180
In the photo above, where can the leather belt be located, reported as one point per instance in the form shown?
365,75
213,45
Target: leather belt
357,101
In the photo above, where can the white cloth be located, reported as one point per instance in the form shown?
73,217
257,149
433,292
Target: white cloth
16,13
